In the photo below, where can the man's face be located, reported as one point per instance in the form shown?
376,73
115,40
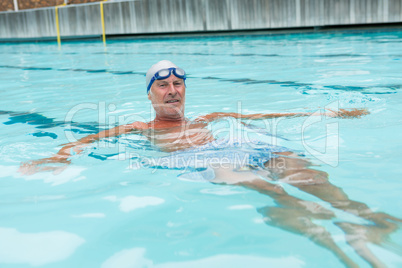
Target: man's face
168,97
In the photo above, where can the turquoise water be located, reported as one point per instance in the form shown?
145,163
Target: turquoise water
100,211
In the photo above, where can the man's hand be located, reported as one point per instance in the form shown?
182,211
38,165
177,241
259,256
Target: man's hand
34,166
353,113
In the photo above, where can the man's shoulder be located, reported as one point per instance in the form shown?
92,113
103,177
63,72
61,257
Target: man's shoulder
138,125
213,116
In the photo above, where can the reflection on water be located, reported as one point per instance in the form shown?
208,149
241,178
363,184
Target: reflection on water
37,248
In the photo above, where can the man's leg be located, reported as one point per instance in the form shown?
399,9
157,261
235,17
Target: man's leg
292,214
290,168
294,170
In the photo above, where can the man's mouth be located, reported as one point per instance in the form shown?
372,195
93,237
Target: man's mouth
172,101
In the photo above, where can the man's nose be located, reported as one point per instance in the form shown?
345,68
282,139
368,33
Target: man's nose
171,89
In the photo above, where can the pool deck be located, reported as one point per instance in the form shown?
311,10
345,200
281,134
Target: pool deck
172,18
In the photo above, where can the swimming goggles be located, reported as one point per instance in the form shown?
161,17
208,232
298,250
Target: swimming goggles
165,73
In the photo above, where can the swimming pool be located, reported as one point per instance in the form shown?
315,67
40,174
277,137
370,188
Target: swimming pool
100,211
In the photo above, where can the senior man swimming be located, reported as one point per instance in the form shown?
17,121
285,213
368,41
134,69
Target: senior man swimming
172,132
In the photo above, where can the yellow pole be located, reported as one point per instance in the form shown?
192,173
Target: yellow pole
57,27
103,24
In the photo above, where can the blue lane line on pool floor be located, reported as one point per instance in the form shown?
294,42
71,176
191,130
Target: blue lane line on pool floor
43,122
24,68
305,87
217,54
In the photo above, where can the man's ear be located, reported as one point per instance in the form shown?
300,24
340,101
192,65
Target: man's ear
149,96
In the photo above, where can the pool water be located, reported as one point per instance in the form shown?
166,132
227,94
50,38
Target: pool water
103,211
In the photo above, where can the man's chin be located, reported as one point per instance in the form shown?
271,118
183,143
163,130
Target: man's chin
173,113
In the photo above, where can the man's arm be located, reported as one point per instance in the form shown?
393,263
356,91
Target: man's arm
77,147
63,155
342,113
